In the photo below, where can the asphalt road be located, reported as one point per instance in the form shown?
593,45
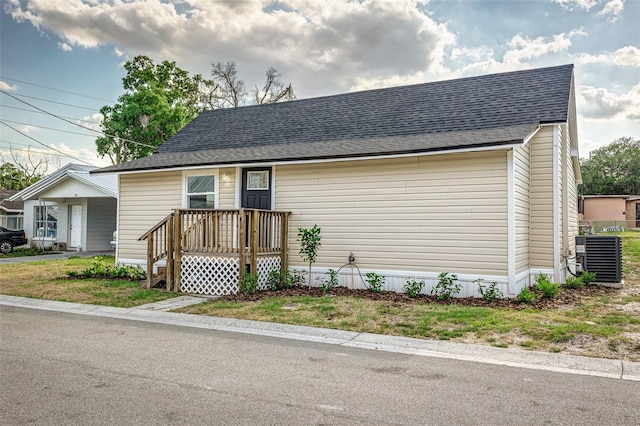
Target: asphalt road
65,369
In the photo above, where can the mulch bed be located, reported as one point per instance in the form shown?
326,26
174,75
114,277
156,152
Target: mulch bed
567,296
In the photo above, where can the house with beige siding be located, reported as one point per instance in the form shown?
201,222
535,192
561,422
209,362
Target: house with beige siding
475,176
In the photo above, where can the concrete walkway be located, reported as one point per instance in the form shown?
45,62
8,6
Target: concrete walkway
155,313
54,256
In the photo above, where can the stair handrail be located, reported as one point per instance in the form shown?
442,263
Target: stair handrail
155,227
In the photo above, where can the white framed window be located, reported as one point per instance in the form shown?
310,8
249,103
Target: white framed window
258,180
201,191
46,221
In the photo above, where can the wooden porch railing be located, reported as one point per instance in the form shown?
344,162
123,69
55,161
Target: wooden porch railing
245,234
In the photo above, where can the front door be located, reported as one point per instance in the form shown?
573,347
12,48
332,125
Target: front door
256,188
76,227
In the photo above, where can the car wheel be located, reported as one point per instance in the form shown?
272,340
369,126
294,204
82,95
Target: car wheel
6,246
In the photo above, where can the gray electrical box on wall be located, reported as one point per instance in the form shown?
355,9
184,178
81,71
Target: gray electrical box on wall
602,254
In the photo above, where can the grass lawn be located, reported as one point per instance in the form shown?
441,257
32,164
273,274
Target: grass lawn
603,323
47,279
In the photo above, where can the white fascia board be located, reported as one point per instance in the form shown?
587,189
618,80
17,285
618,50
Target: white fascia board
324,160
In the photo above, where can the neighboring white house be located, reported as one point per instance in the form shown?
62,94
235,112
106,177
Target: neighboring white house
71,209
475,177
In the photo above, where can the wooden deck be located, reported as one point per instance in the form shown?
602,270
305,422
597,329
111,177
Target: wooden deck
242,236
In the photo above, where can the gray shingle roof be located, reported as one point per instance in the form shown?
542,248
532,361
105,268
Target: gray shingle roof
489,110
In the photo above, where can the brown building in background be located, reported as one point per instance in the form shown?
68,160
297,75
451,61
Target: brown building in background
609,212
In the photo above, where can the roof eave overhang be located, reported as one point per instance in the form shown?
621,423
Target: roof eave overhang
507,144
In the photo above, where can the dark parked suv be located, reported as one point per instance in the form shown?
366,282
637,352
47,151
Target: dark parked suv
11,238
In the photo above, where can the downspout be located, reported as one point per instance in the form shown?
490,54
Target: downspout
566,252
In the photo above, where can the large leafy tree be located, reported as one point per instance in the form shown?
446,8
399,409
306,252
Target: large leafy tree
613,169
160,99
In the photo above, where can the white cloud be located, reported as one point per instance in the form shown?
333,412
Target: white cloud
522,50
92,121
65,47
580,4
601,104
7,87
628,56
613,9
335,43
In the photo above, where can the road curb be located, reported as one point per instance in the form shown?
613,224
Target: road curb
572,364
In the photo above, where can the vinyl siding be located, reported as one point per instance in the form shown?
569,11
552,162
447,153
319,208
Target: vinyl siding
431,213
541,199
101,222
145,199
522,206
227,190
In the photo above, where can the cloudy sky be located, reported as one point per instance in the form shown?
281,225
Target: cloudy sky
64,58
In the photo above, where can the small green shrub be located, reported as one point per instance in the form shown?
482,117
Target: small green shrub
526,296
489,293
295,278
276,280
588,277
375,281
447,286
249,284
101,268
413,287
330,282
548,288
574,282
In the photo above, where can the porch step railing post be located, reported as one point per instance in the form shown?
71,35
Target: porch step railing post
255,220
242,242
177,224
170,253
149,261
284,243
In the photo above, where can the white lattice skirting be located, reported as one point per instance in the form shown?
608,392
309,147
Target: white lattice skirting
266,265
218,276
208,275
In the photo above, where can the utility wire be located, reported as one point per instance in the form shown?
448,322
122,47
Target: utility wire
53,88
76,124
48,128
40,112
48,147
53,102
35,152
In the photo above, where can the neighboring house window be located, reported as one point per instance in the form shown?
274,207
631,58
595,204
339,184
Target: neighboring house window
201,192
46,221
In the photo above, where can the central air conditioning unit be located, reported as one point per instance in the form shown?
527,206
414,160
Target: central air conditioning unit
602,255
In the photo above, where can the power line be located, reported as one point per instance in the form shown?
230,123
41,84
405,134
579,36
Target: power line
48,147
40,112
53,88
35,152
76,124
49,128
53,102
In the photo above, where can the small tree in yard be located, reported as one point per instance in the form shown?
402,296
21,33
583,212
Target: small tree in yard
309,240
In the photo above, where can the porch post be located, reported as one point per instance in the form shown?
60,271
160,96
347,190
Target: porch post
177,242
255,217
170,248
284,242
242,241
149,261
